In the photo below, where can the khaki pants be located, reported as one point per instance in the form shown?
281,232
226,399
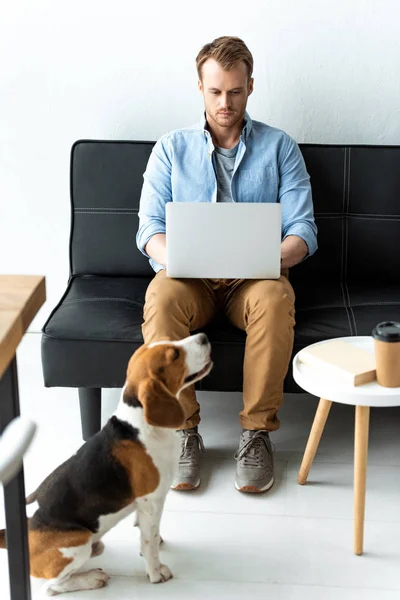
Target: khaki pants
262,308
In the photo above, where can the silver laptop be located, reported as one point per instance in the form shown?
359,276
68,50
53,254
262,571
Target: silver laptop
223,240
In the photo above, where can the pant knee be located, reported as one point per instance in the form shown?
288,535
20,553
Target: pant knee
165,298
166,313
271,299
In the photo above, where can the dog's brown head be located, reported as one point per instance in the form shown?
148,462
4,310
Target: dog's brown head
157,373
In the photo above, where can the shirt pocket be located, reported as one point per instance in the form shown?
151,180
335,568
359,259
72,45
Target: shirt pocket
258,185
258,175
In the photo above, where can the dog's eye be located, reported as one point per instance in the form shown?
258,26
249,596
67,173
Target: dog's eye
176,354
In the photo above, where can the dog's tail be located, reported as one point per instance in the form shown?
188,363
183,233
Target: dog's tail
31,498
3,538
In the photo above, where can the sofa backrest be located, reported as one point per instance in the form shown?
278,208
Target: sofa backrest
106,181
356,193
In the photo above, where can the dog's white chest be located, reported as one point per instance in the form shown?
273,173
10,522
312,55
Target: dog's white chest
164,449
161,444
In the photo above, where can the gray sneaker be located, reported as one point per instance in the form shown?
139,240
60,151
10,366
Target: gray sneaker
255,462
188,476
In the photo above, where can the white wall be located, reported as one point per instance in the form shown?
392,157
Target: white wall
325,71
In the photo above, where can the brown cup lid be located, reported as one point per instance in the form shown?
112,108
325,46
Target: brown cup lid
387,331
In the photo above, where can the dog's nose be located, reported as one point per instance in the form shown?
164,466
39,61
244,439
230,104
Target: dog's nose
203,339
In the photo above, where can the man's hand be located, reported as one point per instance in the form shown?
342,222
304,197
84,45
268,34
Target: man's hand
156,248
293,250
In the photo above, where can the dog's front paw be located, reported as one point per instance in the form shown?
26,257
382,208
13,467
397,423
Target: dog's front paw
165,573
160,575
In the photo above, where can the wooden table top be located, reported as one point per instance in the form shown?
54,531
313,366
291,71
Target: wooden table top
21,297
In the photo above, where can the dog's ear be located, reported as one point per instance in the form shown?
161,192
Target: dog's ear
160,407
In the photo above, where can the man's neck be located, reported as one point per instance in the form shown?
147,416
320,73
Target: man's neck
225,137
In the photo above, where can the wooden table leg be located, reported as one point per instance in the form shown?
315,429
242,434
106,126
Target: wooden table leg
14,497
360,474
320,418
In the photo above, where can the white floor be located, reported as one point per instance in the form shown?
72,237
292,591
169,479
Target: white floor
293,543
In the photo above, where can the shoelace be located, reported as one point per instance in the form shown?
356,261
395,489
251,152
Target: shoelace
251,451
189,447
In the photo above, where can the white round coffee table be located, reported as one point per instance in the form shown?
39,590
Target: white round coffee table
330,388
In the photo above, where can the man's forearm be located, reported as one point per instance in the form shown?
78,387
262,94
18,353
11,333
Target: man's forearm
156,248
293,250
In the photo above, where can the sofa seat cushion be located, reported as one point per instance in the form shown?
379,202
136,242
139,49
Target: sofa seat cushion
343,310
91,334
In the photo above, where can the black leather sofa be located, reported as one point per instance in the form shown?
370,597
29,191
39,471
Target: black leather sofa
349,285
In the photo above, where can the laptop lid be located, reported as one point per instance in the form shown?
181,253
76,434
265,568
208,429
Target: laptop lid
223,240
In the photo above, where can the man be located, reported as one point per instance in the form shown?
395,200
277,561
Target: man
229,158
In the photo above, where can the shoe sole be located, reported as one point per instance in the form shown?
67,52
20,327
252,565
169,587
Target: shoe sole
252,489
185,487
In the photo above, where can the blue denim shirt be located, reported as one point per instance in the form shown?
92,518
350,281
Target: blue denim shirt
269,167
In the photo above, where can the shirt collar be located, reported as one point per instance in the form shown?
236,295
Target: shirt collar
245,131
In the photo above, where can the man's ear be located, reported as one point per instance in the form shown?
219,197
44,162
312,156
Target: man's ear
251,86
160,407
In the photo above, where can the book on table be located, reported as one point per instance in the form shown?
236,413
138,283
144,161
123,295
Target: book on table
343,359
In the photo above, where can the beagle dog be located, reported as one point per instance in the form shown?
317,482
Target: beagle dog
127,466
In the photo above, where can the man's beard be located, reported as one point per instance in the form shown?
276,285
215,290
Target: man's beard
228,121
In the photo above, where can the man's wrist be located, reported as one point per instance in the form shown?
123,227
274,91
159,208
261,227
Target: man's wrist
293,250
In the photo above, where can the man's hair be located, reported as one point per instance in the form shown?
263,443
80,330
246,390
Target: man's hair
228,51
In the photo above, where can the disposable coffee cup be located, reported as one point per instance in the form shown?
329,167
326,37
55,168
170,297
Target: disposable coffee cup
387,353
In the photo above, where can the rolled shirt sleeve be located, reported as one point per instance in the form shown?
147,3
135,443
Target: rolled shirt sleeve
156,192
296,198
